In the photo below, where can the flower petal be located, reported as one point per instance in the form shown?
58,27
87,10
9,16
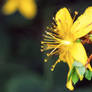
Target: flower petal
89,67
28,8
83,25
78,53
63,20
69,83
9,7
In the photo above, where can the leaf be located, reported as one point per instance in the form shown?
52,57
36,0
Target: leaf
81,70
88,75
77,64
75,77
71,72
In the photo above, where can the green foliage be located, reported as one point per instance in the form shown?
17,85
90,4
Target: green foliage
79,71
73,74
26,82
77,64
75,77
88,75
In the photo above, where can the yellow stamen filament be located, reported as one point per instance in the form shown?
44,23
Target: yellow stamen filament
48,33
54,49
53,66
49,42
47,37
76,13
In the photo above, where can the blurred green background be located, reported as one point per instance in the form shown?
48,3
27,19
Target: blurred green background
21,63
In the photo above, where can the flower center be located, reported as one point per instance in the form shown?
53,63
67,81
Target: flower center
66,42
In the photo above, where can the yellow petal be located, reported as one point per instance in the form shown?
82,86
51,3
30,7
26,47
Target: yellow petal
83,25
80,76
9,7
89,67
78,53
28,8
63,20
69,85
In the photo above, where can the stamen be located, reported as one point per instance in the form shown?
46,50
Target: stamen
47,47
54,18
47,36
55,30
48,33
75,14
54,49
46,39
42,42
45,60
41,50
53,66
50,28
42,46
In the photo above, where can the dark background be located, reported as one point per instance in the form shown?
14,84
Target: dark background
21,63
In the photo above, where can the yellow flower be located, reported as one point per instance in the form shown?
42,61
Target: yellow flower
26,7
62,38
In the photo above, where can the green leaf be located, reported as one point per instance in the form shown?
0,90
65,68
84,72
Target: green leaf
77,64
71,73
75,77
88,75
81,70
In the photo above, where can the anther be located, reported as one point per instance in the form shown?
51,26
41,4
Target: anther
45,60
42,46
48,28
41,50
55,30
76,13
52,68
53,18
47,54
42,42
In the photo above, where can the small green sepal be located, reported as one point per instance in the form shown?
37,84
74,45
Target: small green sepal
88,74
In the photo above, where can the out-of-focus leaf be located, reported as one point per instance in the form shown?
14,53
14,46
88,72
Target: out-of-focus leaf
17,20
4,45
26,83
